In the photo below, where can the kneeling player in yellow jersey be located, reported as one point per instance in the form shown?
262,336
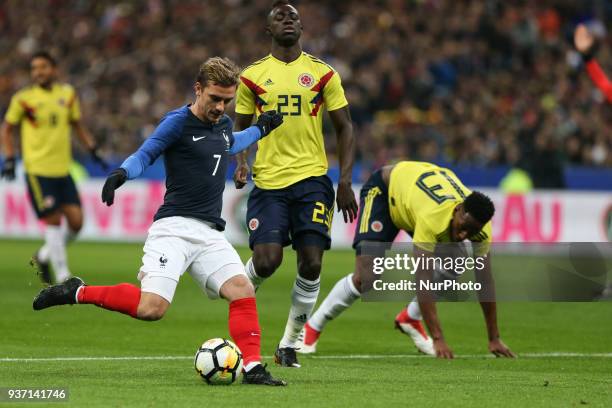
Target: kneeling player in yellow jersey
46,112
431,204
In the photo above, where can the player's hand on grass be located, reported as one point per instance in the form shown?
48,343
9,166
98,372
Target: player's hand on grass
442,350
268,121
113,182
584,41
240,175
345,200
98,159
8,169
498,348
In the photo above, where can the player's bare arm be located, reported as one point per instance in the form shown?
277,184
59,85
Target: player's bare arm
242,168
345,198
83,135
428,308
489,310
8,149
89,142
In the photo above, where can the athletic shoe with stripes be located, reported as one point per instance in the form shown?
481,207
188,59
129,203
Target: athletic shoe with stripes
416,331
307,342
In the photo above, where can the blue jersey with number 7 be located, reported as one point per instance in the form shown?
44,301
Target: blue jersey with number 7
195,157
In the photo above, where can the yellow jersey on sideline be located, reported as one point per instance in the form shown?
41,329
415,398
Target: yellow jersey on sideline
45,116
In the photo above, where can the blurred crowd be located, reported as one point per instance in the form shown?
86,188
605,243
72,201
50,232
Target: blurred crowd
454,81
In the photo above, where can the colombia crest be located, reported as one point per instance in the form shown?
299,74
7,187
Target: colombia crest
306,80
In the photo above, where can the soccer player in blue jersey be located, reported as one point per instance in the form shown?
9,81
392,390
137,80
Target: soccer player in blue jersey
196,141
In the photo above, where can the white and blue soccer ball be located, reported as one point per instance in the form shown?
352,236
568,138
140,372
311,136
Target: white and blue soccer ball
218,361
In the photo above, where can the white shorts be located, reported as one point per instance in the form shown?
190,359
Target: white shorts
176,243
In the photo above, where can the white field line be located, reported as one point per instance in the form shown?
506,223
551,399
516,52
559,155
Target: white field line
323,357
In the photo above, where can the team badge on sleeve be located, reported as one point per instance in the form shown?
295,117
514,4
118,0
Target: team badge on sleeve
306,80
48,201
377,226
253,224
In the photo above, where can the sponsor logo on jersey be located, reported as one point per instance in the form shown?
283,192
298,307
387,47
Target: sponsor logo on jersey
376,226
268,82
306,80
253,224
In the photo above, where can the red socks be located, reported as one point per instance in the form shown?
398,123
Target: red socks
244,328
243,320
311,335
123,298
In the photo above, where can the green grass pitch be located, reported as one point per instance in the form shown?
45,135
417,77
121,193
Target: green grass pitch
387,373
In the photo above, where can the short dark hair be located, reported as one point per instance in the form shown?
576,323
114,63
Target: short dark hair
220,71
479,206
279,3
44,54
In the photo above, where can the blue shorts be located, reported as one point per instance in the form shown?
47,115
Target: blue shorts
48,194
374,221
300,214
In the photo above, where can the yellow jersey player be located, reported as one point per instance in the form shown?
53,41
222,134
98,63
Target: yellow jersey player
433,206
293,198
45,113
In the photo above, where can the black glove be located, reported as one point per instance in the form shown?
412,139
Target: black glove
590,53
96,157
268,121
8,169
113,182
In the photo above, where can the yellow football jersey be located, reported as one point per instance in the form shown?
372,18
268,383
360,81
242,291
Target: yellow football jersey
422,197
299,90
45,117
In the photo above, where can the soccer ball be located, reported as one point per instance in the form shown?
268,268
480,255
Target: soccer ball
218,361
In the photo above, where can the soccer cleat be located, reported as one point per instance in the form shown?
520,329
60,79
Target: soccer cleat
307,342
416,331
285,357
42,269
258,375
61,294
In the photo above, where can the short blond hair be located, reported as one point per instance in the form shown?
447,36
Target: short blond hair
220,71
